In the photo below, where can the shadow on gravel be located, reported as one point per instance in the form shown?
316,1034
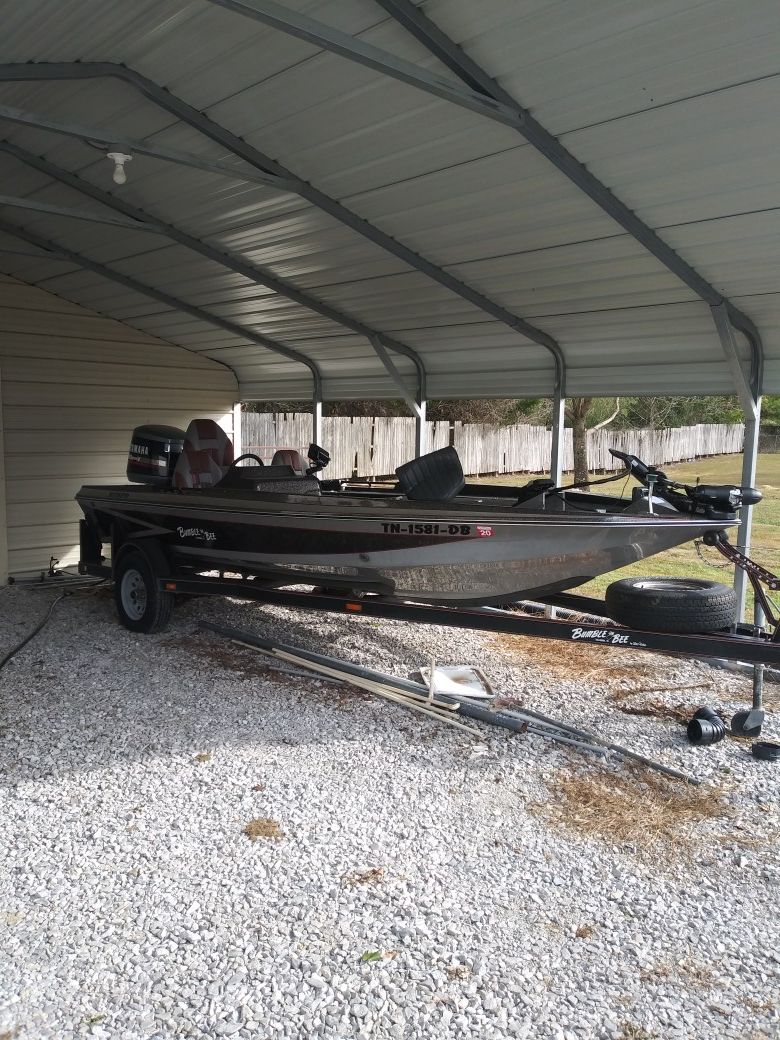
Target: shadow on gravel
86,694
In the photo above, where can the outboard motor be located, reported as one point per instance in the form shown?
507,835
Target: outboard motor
154,451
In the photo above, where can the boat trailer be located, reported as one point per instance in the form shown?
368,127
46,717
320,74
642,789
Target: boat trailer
587,619
743,643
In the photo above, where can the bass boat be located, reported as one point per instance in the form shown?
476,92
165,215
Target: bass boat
430,537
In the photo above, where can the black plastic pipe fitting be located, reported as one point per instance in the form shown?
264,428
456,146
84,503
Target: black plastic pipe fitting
706,727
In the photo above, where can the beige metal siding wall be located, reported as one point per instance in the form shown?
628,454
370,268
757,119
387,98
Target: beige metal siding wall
73,385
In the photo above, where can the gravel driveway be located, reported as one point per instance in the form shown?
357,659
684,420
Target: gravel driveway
193,845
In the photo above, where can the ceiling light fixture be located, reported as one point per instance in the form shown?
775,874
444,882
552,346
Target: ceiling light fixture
119,159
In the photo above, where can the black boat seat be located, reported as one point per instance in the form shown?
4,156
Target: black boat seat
289,457
206,456
437,476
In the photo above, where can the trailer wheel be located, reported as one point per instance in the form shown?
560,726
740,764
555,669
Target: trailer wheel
672,604
141,604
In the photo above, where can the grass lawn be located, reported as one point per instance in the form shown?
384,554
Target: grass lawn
684,561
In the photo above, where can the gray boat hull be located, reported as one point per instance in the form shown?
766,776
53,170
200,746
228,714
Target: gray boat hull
459,552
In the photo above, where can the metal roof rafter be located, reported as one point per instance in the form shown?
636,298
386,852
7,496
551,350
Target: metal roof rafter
417,408
478,79
747,397
293,23
100,136
37,71
77,214
34,256
162,297
496,105
257,275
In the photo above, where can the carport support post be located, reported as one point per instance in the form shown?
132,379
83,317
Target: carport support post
420,428
316,428
556,454
749,459
416,405
238,439
750,399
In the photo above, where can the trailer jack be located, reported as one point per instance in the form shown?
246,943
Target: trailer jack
749,722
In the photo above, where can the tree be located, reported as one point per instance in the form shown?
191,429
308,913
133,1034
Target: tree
495,411
577,409
770,411
586,413
659,412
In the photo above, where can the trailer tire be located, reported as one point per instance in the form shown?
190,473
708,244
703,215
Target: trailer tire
141,604
685,605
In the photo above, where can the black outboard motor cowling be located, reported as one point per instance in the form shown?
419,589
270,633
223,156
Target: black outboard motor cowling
154,451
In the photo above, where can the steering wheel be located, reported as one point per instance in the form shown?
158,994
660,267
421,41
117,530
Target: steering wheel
248,455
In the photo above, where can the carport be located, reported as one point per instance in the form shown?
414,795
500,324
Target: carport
369,199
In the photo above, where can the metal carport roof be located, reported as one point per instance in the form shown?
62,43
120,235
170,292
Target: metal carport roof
372,197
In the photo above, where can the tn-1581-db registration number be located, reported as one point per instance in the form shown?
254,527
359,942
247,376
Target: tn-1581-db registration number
456,530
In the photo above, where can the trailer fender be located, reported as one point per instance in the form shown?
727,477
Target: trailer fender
150,549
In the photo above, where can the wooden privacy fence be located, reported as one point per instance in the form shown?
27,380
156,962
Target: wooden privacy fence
373,447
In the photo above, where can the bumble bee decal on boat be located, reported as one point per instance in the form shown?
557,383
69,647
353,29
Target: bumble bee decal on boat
196,532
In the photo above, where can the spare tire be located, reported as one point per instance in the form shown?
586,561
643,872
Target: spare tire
672,604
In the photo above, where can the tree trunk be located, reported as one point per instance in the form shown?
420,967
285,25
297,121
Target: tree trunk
578,408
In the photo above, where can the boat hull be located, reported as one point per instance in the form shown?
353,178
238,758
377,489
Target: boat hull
449,553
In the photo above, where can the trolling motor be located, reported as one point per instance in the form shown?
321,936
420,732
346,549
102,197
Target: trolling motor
716,501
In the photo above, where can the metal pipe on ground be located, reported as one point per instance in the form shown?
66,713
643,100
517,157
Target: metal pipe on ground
415,701
64,581
512,721
432,708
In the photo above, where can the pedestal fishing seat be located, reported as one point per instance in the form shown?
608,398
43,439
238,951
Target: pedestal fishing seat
437,476
289,457
206,456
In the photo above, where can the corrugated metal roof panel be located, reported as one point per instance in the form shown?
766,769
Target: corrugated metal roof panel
672,104
578,64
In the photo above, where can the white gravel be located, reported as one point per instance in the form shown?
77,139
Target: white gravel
133,905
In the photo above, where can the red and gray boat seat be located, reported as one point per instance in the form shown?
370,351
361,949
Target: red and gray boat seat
207,458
